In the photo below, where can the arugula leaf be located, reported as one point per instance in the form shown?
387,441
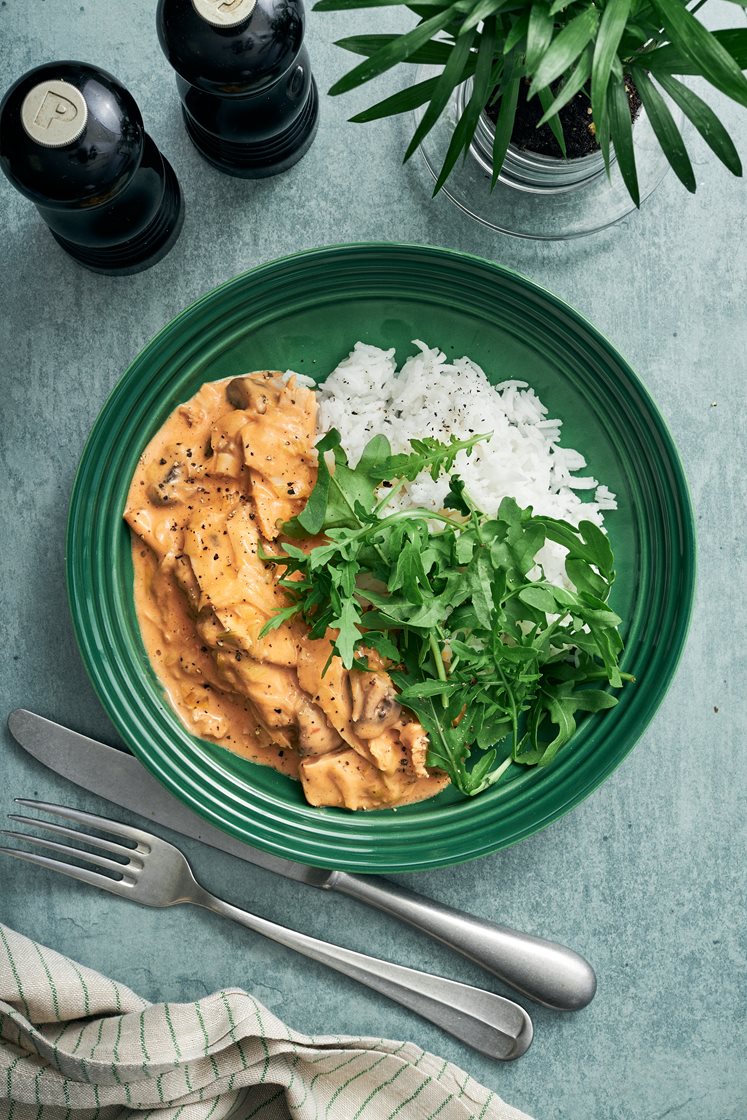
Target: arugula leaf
377,451
598,547
584,578
478,579
540,597
427,454
457,498
335,499
278,619
493,659
349,634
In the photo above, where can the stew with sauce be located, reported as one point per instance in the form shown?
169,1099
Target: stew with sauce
210,493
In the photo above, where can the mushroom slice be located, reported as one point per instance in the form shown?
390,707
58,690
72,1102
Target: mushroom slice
163,490
253,391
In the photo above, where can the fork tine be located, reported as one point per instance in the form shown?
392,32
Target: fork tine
116,886
135,835
74,834
66,850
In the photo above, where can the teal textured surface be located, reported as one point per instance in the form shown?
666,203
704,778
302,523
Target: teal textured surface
645,878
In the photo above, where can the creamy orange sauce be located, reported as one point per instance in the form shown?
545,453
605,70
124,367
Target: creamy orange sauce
210,493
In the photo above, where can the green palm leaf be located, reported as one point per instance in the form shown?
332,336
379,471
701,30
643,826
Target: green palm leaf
545,96
402,102
697,43
452,75
506,116
704,120
583,44
621,132
465,128
482,9
516,34
671,60
666,130
575,81
539,35
435,53
560,6
398,50
352,5
565,49
611,27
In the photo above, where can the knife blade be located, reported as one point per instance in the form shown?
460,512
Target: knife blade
542,970
120,778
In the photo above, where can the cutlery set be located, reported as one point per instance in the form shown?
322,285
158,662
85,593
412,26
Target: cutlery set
138,865
148,870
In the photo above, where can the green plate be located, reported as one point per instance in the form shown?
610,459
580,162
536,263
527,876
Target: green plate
305,312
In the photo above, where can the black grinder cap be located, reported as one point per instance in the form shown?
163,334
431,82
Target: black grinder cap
249,100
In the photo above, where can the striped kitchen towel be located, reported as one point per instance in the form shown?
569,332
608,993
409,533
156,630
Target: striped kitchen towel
75,1045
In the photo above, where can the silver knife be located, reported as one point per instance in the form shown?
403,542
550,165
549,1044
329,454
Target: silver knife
542,970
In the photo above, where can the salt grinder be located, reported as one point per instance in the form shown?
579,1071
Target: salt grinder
72,140
249,101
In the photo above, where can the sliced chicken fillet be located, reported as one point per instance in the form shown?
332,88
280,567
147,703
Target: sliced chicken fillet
346,780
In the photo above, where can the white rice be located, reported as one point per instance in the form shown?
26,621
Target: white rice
430,396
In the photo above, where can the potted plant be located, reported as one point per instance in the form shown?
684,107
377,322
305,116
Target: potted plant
568,74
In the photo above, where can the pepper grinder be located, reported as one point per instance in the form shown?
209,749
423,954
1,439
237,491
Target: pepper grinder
72,140
249,100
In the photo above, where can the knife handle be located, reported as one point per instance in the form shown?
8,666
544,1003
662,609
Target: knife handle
544,971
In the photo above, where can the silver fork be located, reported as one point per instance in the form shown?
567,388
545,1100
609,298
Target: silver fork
153,872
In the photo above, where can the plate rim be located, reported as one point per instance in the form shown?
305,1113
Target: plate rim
679,491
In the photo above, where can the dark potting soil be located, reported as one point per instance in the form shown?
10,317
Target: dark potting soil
575,117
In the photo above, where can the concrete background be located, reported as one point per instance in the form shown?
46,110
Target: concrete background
647,877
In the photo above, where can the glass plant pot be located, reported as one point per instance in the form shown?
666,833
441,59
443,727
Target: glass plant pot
538,196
